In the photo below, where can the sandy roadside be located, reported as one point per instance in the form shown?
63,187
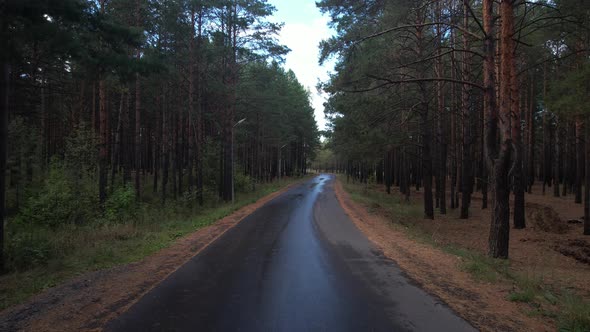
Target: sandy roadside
88,302
483,304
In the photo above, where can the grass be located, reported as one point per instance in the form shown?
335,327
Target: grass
379,202
77,249
570,311
575,317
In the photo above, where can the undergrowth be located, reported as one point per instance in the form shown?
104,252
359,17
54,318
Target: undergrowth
44,252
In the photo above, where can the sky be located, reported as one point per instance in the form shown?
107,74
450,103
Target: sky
304,28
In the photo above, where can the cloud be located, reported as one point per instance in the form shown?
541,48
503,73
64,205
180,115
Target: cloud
303,39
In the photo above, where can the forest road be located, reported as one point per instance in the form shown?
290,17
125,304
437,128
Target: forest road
296,264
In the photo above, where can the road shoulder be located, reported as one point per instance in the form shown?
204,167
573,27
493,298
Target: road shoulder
482,304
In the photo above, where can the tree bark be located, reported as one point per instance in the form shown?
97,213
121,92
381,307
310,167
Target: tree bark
519,200
587,184
138,163
442,169
579,159
498,161
3,147
467,163
103,153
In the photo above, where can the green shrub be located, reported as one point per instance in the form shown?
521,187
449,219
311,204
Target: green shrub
242,183
120,204
25,250
60,200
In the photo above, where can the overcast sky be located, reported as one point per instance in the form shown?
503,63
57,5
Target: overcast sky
304,28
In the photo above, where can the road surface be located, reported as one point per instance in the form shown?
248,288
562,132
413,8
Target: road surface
296,264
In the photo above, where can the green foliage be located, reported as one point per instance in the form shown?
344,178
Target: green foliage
27,249
278,111
60,200
526,296
41,257
81,155
570,95
242,183
120,205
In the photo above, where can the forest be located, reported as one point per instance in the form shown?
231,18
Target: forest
457,97
161,167
113,110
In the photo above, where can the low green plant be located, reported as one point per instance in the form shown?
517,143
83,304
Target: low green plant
61,199
525,296
242,182
574,315
120,204
26,250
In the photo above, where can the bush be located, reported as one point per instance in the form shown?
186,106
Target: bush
25,250
121,204
242,183
61,199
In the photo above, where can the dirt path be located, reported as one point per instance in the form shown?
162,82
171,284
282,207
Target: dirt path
86,303
482,304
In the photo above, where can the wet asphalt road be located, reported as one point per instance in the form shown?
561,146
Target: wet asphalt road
296,264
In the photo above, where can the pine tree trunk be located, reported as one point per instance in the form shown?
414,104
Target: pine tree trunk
4,81
165,149
442,167
199,123
467,163
191,102
587,184
127,141
499,229
556,161
116,156
579,159
500,218
138,163
519,200
103,153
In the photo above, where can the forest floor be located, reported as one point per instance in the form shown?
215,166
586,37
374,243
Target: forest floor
87,301
542,287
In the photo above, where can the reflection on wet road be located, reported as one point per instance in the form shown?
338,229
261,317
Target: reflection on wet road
296,264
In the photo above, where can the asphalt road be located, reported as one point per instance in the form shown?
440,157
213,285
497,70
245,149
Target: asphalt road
296,264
